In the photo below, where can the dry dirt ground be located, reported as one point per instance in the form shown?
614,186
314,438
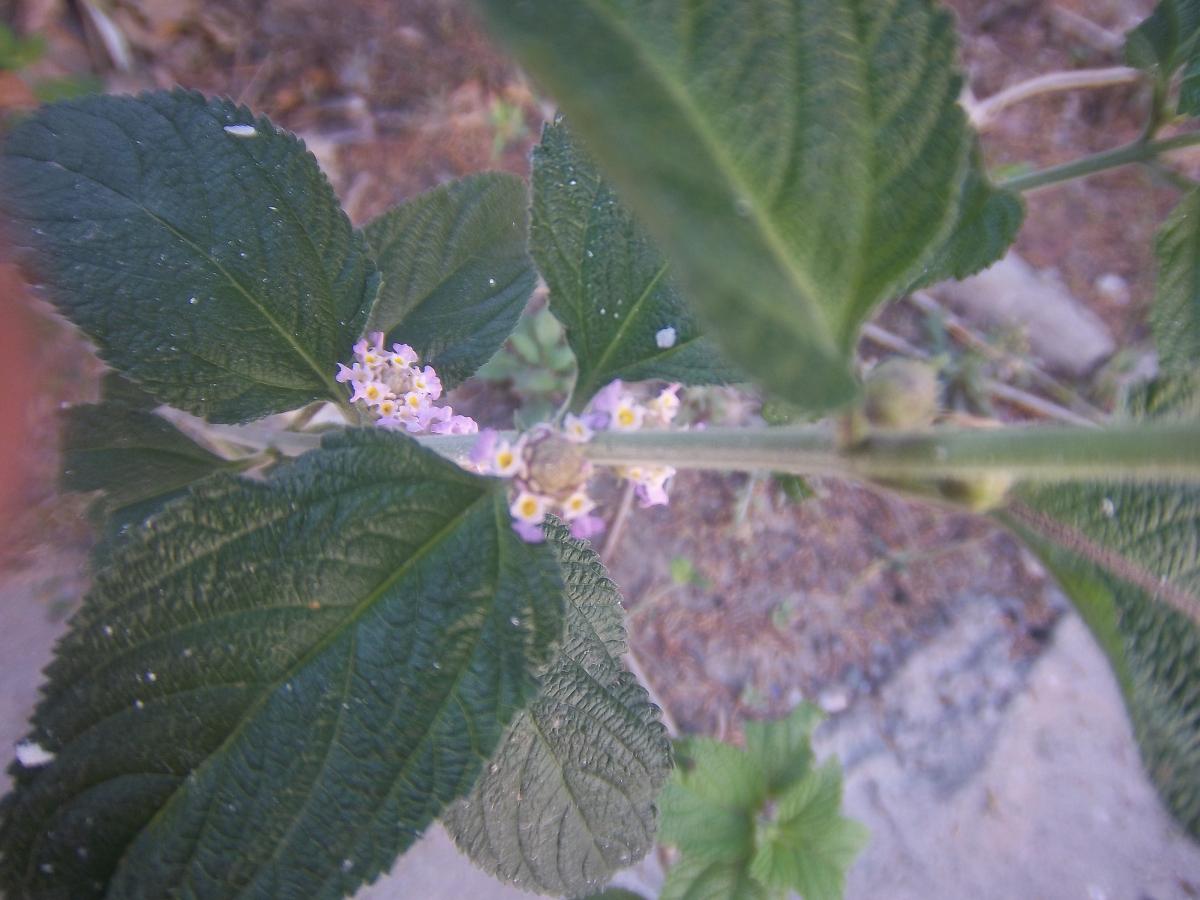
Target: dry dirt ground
984,763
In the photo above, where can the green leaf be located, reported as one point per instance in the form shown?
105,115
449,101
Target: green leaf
1166,39
1129,558
702,879
1189,88
134,456
137,460
214,267
782,749
1175,319
812,846
609,284
568,798
709,804
278,685
456,271
795,159
985,226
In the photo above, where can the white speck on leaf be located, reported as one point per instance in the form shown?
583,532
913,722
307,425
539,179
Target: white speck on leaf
1108,507
241,131
665,338
31,754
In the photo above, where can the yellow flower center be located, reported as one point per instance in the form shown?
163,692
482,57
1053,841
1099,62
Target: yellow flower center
504,459
528,507
625,416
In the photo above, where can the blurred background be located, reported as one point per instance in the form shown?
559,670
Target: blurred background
982,733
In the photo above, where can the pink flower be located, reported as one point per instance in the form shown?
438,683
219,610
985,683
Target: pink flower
530,534
350,373
371,392
403,355
607,398
427,382
587,527
456,425
481,453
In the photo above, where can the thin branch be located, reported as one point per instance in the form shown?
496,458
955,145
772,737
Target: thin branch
1086,30
617,525
983,112
968,336
1031,403
1139,151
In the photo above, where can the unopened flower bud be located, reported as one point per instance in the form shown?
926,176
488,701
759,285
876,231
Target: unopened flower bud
978,494
901,393
555,465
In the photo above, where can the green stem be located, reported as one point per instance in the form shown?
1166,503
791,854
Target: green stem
1138,452
1128,452
1138,151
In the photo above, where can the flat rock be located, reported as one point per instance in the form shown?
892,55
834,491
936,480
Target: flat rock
1062,333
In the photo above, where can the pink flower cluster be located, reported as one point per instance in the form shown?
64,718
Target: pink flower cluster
397,391
616,409
549,476
550,473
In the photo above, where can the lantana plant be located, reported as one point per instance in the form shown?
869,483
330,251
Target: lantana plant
328,610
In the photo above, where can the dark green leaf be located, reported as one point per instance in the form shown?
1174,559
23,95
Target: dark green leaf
214,267
615,894
795,487
129,454
1189,88
278,685
609,285
796,159
1175,320
568,798
456,271
782,748
985,226
703,879
1166,39
136,459
812,846
1129,558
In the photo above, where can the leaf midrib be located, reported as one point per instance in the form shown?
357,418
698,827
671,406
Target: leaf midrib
617,337
779,252
325,378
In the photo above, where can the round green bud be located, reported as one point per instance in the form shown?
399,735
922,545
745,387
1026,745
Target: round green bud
901,393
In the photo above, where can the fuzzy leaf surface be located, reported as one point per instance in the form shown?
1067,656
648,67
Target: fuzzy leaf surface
1166,39
794,159
609,285
137,459
568,799
1175,319
214,267
1129,558
985,226
456,271
278,685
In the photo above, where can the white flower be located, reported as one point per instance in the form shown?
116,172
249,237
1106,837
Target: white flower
529,508
576,430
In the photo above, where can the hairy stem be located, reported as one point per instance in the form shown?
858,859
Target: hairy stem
1139,452
1135,451
1136,152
